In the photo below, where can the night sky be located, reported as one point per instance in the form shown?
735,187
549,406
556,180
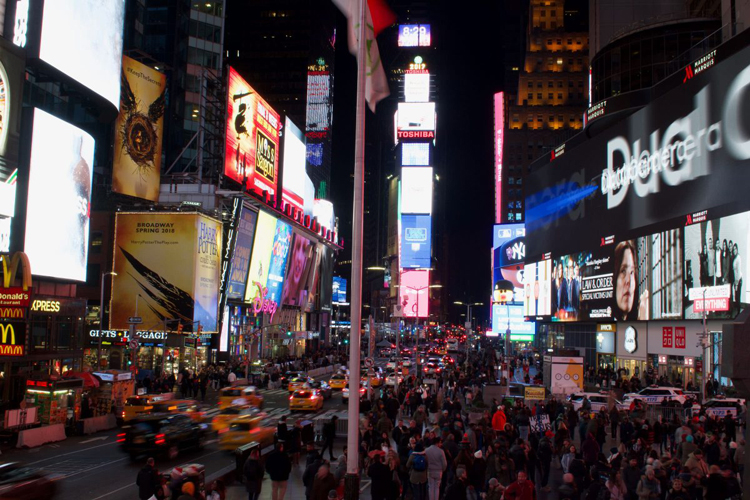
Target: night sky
471,56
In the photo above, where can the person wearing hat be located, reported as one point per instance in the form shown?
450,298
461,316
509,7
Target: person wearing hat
476,472
686,448
494,490
417,465
324,482
188,491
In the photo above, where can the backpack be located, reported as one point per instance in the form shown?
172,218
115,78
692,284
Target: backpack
419,463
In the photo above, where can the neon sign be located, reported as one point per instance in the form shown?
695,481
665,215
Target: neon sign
261,304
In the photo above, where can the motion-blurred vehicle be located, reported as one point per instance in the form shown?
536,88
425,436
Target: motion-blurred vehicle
245,429
406,362
393,378
448,361
19,482
306,400
322,387
452,345
298,383
392,364
338,381
432,369
136,406
362,391
162,434
220,423
188,407
240,395
375,380
289,376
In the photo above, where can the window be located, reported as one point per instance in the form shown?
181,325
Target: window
539,118
559,41
570,41
543,25
578,41
550,84
511,181
95,242
543,13
519,216
539,95
550,95
549,41
559,84
539,84
510,216
551,118
570,83
518,204
530,84
530,118
559,95
553,25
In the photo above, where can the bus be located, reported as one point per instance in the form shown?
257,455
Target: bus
452,345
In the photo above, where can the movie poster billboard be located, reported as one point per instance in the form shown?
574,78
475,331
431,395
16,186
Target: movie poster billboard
168,264
281,242
716,263
252,138
582,286
260,262
139,130
537,300
243,248
300,260
648,277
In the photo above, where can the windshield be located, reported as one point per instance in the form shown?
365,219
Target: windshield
232,392
302,395
136,402
240,426
338,377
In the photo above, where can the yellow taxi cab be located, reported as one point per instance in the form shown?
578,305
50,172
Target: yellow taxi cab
375,380
297,383
137,406
245,429
338,381
187,407
220,422
240,395
306,399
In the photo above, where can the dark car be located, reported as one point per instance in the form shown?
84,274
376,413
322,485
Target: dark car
19,482
286,377
162,434
322,387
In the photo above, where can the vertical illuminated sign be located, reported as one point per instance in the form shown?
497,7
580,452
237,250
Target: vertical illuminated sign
499,126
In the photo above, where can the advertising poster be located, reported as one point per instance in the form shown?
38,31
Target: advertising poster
252,134
511,317
154,258
61,169
282,241
648,277
414,35
416,116
98,55
567,377
537,298
261,260
414,293
416,241
243,247
139,129
339,290
416,190
300,260
582,286
416,154
716,263
326,277
294,177
508,254
12,72
207,273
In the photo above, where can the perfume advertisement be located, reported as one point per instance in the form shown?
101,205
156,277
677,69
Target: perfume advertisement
138,131
257,277
57,217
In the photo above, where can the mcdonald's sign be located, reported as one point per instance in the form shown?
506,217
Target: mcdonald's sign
12,338
9,268
11,313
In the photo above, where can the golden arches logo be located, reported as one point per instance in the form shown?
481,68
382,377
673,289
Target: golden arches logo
5,329
9,269
10,349
11,313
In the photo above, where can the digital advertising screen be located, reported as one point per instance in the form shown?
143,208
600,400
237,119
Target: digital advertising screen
282,241
207,273
294,174
499,112
416,190
508,254
511,317
94,60
414,35
339,290
415,154
416,116
265,233
648,277
416,87
252,138
582,286
61,170
139,129
300,260
537,298
414,293
416,241
716,262
319,108
12,73
243,248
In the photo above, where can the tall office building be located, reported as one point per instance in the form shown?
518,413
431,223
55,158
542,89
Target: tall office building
551,96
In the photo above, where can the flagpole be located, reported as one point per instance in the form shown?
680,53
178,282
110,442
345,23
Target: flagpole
351,485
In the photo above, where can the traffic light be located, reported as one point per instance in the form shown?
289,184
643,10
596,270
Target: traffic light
346,341
179,327
288,333
200,329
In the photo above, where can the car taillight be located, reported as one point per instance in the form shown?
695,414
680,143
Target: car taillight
121,438
123,414
291,397
160,439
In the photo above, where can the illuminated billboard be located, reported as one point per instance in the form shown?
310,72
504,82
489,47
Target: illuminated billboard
339,290
171,263
294,174
93,60
277,269
508,254
414,293
582,286
12,73
136,168
57,214
416,87
243,247
499,131
319,109
414,35
511,317
416,190
415,154
252,138
537,293
257,277
300,261
416,241
416,116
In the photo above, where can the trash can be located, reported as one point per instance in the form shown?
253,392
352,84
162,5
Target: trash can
241,454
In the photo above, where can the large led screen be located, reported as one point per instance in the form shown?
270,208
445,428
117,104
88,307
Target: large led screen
416,87
12,73
277,270
508,254
136,170
257,277
414,293
252,138
414,35
716,263
582,286
57,216
416,241
537,298
294,176
511,317
416,190
300,261
416,116
339,290
648,277
170,263
83,39
415,154
243,247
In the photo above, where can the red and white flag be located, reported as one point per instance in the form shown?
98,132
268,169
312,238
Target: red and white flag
379,17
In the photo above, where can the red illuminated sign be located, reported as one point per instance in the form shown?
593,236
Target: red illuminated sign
679,337
416,134
713,304
666,337
414,293
499,131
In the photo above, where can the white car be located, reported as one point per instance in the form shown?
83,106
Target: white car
393,378
406,362
362,391
721,407
597,400
392,364
654,395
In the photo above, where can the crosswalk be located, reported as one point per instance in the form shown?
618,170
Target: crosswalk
314,416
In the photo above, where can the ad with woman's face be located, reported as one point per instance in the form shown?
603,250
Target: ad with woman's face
625,286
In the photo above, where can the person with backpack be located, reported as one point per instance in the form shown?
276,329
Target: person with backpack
417,467
545,457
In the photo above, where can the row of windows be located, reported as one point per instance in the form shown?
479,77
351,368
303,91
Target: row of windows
205,31
213,7
551,84
515,180
550,118
551,95
515,204
204,58
558,41
552,25
515,216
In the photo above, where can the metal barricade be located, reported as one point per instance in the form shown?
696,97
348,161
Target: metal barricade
653,412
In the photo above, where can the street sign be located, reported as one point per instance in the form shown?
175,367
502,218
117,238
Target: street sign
133,343
369,362
135,320
467,325
398,311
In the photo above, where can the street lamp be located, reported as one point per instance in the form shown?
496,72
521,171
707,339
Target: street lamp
101,320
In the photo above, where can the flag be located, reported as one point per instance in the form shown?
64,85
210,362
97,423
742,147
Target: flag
379,17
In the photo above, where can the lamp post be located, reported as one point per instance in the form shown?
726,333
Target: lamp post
101,320
469,319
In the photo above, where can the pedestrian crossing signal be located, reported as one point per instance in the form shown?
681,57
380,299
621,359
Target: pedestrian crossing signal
179,328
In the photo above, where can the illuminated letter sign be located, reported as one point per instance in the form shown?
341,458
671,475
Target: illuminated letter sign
10,269
10,344
21,26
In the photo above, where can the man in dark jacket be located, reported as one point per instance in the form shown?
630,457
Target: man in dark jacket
545,457
590,450
630,476
457,490
308,477
329,435
253,472
148,481
381,477
279,466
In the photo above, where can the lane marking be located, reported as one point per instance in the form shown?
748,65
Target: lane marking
56,457
102,438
